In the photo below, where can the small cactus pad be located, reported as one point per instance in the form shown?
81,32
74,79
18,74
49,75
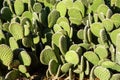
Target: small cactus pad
108,24
22,68
116,19
19,9
53,67
75,19
61,7
115,77
111,65
52,18
95,28
113,35
102,73
72,57
94,59
25,58
6,55
46,55
101,51
16,30
65,67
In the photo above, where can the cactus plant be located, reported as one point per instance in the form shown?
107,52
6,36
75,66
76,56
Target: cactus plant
6,55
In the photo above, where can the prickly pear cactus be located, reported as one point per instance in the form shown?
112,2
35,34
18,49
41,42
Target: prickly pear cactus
6,55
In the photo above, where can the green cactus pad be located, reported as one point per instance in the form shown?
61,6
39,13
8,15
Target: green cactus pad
102,9
79,5
72,57
46,55
103,37
115,77
53,67
22,68
68,3
24,58
111,65
19,9
95,28
57,28
102,73
76,48
37,7
80,34
12,75
75,19
52,18
108,24
6,55
27,41
66,27
63,44
87,69
91,57
62,19
101,51
27,14
116,19
96,4
65,67
61,7
113,35
13,43
6,13
117,43
56,37
16,30
2,37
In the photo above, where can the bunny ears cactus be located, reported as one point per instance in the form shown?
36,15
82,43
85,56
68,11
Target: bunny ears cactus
74,39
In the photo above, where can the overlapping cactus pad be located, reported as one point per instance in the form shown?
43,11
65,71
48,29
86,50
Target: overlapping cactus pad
59,39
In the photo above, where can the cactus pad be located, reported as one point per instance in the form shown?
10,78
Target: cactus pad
72,57
6,55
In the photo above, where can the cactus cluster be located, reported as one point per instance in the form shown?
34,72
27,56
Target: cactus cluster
74,39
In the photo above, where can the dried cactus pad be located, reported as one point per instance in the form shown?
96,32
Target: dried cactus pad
95,28
16,30
6,54
102,73
72,57
46,55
